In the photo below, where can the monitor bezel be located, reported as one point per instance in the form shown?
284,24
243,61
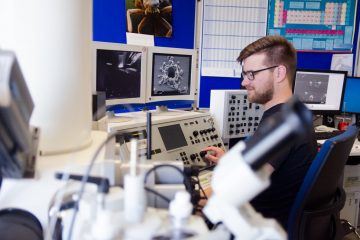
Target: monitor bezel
323,111
342,105
122,47
176,51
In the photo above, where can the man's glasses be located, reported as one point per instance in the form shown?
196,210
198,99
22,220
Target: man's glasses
251,74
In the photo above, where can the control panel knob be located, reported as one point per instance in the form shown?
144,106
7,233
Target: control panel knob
195,133
202,154
192,157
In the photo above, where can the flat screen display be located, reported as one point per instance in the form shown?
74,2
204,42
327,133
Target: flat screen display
351,102
172,136
320,90
118,73
171,74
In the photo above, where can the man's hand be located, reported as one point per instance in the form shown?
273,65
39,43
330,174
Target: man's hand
213,153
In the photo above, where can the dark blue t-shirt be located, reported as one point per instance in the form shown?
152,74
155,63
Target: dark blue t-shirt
290,170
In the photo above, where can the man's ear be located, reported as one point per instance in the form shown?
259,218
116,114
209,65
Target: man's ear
280,73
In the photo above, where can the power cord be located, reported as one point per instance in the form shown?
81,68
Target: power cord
187,180
85,178
157,194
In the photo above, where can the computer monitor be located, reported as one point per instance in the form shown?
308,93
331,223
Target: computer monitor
171,74
322,91
120,72
17,144
352,96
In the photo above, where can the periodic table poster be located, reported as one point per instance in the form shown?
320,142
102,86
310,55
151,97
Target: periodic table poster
316,25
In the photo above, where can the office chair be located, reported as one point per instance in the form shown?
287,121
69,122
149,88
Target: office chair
315,213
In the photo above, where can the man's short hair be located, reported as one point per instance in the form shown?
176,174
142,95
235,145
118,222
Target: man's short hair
278,51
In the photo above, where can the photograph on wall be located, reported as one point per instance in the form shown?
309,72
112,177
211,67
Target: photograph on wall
152,17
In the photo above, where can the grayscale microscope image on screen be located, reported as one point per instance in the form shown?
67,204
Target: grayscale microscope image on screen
171,74
118,73
311,88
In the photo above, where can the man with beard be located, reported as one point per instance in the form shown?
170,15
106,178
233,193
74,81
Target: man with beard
268,70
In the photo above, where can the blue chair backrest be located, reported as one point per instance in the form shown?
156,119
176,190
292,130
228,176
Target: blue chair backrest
323,178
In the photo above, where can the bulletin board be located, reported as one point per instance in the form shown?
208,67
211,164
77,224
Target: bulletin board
109,25
314,25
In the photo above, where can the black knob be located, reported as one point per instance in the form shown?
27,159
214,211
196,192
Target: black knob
202,154
195,133
192,157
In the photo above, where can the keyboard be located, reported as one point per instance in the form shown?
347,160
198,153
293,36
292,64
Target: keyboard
327,135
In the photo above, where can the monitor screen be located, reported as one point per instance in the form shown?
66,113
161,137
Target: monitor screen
322,91
172,136
352,96
171,74
120,72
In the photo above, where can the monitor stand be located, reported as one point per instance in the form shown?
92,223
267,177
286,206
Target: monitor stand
116,118
164,111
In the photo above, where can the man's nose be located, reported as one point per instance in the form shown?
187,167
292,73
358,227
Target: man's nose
245,82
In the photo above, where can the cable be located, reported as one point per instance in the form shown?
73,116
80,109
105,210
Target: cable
210,167
157,194
161,166
84,180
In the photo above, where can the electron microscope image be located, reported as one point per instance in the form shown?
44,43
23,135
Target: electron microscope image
311,88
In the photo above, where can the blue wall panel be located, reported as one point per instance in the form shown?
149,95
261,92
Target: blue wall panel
110,23
110,26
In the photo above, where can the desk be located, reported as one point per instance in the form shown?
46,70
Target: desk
35,194
355,150
351,185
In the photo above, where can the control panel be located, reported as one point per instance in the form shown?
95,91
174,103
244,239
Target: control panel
179,137
235,116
